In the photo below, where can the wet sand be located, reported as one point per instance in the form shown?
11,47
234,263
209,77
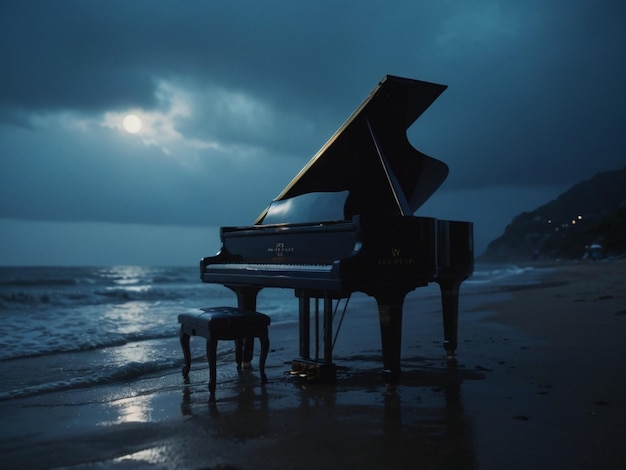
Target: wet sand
538,382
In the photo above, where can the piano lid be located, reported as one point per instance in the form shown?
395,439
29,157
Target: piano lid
371,158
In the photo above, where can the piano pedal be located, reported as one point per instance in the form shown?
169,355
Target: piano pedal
313,371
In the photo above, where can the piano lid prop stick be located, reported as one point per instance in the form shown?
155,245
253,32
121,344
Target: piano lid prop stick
343,314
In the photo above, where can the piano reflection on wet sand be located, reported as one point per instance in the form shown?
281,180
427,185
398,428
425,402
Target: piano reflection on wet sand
345,224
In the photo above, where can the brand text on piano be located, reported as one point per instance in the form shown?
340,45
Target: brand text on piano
395,259
280,249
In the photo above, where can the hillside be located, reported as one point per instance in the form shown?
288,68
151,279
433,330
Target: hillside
590,213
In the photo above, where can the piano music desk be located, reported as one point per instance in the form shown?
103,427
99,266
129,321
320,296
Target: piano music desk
223,323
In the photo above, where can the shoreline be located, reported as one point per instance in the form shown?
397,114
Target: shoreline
568,374
537,383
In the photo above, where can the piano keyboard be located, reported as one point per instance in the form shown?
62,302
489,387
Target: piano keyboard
321,268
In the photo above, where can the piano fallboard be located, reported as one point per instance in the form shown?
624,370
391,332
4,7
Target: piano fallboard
312,244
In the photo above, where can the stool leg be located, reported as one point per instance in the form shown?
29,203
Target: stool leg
239,352
265,348
184,343
211,352
248,351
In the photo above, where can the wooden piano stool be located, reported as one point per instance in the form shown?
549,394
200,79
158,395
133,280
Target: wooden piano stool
223,323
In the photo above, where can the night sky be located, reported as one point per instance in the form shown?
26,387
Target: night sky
235,97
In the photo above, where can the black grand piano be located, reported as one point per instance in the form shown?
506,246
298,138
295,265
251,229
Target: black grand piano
345,224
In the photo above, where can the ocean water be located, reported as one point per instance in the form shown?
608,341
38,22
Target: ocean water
69,327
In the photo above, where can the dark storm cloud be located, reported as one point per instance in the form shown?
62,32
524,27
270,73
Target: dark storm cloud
535,97
92,56
65,55
540,103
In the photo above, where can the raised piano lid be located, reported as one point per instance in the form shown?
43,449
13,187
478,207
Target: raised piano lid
370,155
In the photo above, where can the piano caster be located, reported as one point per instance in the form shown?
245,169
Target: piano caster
391,389
391,380
450,344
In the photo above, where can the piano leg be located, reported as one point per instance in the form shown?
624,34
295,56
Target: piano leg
328,329
246,300
184,342
390,315
450,306
304,312
211,354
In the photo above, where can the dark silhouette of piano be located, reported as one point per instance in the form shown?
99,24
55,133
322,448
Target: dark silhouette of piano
345,223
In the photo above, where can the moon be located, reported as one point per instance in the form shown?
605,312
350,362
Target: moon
132,123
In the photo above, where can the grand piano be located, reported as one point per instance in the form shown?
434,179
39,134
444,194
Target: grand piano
345,224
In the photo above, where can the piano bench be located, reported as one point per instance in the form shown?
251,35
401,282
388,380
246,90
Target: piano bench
223,323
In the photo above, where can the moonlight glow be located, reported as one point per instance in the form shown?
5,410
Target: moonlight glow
132,123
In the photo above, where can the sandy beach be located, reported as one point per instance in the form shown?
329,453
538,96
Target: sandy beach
538,382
